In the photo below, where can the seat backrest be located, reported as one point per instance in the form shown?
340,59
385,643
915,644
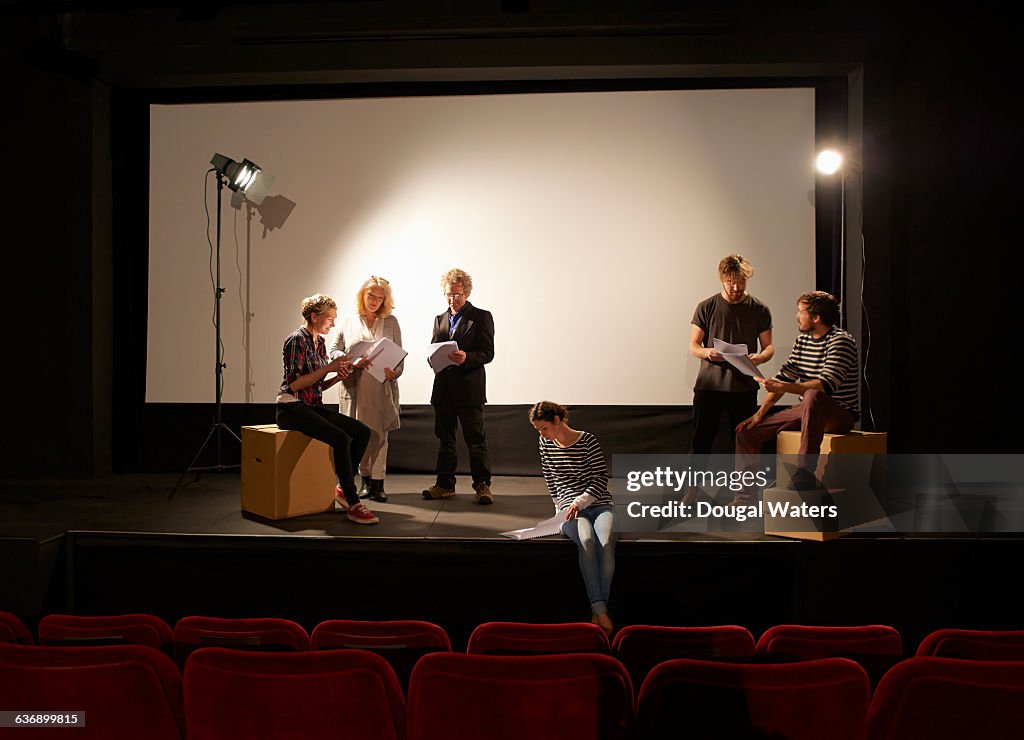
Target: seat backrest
947,698
12,629
712,699
134,629
973,644
522,638
455,696
401,643
641,647
309,695
258,634
877,647
125,691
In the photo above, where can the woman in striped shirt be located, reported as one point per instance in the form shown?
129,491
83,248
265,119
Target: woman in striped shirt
577,478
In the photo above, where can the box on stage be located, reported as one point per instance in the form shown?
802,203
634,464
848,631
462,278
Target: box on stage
851,466
860,443
285,473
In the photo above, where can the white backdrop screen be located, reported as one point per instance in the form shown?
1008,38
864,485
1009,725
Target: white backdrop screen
592,224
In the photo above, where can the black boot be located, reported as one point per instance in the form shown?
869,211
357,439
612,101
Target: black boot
364,489
377,490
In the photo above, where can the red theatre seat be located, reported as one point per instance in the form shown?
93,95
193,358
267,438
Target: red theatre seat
521,638
641,647
261,634
125,691
13,629
311,695
453,696
710,700
135,629
948,699
400,643
973,644
877,647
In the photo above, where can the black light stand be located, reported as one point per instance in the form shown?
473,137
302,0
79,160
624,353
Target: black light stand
218,427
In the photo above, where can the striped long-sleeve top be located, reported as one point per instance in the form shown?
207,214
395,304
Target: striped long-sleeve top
575,474
832,359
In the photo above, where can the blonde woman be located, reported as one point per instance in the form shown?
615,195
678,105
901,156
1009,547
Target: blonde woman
300,403
361,396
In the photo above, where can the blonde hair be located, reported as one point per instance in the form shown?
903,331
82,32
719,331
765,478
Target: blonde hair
316,304
455,275
735,265
375,282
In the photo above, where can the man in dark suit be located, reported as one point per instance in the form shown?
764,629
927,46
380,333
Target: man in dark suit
460,390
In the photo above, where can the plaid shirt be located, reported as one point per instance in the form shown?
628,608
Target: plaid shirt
301,357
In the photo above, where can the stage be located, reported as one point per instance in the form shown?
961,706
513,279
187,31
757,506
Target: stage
123,544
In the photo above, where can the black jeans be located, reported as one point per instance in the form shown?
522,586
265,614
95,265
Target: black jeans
345,435
708,407
447,417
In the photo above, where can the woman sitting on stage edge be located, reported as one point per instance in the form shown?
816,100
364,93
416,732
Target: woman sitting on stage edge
300,403
577,478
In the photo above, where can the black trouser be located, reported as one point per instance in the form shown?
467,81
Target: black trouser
708,407
345,435
447,417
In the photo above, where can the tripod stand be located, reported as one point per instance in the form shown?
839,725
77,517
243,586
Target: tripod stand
218,427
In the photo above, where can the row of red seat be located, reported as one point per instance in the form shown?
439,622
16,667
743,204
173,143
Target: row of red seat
640,647
132,691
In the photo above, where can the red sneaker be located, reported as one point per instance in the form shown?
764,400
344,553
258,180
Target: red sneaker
361,515
339,498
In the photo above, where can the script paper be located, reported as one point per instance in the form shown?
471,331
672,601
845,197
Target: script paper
437,355
540,529
384,353
736,355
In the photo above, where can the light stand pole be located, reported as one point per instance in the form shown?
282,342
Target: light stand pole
842,249
218,427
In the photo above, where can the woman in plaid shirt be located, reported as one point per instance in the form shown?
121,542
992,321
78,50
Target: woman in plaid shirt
300,403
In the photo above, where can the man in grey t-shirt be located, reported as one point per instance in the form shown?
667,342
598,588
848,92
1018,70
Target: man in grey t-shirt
736,317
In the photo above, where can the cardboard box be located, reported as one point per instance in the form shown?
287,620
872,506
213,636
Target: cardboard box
285,473
854,476
863,443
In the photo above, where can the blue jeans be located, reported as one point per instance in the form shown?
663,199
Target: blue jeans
592,532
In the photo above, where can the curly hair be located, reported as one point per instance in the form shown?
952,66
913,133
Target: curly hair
316,304
455,275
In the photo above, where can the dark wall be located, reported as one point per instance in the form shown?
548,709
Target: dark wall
57,260
939,108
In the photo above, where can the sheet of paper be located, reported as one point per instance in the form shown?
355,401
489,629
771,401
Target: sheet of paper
736,355
540,529
384,353
437,355
360,348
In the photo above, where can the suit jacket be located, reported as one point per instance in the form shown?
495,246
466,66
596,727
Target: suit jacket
465,384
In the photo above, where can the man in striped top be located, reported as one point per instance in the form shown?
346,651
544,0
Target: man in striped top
823,369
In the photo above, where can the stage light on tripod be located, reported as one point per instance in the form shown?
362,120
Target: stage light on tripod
242,175
245,178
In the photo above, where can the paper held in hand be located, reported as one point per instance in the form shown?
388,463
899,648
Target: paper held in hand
540,529
736,355
437,355
381,354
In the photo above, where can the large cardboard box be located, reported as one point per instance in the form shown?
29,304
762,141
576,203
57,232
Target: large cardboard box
863,443
854,477
285,473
